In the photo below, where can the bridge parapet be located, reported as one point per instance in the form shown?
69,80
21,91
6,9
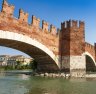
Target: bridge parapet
45,26
74,24
90,49
89,45
7,11
21,25
35,21
23,17
53,30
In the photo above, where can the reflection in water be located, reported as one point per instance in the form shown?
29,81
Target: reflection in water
11,83
37,91
24,77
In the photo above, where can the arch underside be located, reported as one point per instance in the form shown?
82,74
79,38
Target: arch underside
90,64
45,62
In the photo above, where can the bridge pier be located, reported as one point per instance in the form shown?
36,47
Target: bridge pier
75,65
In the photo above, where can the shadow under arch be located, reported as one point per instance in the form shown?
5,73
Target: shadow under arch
90,63
45,61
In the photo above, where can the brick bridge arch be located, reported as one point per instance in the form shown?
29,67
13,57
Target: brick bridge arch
39,43
31,47
63,49
90,54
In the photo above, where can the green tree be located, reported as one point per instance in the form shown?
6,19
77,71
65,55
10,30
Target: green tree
33,65
18,64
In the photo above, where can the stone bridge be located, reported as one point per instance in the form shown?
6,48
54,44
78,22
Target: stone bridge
90,52
64,49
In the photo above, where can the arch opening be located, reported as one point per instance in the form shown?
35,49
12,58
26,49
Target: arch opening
90,64
45,62
12,52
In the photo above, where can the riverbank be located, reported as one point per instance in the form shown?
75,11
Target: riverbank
26,72
26,84
52,75
63,75
24,67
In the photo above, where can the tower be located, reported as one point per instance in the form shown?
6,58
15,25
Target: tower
72,47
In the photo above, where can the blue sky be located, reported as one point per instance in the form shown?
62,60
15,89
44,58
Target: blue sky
57,11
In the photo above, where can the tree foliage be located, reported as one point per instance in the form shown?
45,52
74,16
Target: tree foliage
33,65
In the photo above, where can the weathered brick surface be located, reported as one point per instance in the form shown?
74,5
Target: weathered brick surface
33,30
90,49
7,9
69,41
72,38
23,17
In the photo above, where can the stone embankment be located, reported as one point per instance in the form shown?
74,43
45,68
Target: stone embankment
63,75
53,75
90,75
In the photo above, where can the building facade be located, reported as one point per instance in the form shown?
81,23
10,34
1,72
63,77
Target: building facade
18,59
3,60
13,60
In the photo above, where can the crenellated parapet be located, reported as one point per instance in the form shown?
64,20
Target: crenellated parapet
35,21
90,49
7,9
22,21
74,24
53,30
23,17
89,45
45,26
45,34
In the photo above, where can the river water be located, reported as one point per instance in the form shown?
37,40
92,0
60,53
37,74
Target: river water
12,83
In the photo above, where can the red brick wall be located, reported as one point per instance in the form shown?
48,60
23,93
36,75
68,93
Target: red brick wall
90,49
72,38
7,9
33,30
70,41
